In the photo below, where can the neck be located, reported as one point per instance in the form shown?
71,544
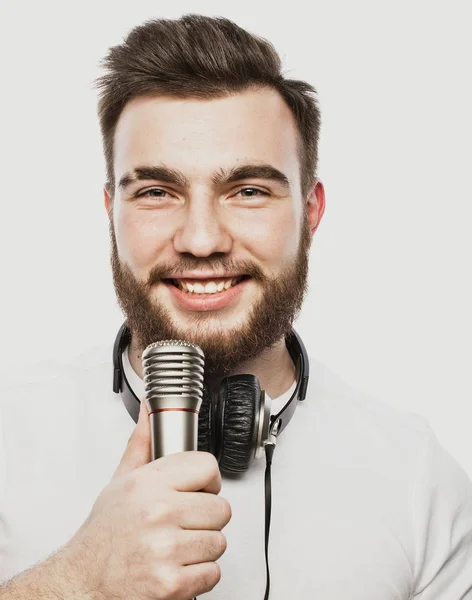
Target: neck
274,368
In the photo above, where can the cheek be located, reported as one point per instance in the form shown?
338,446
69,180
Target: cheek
273,238
139,239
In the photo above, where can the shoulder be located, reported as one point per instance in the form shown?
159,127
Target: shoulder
339,404
395,456
50,369
49,405
362,432
50,378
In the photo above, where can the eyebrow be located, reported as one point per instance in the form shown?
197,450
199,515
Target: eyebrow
221,177
162,173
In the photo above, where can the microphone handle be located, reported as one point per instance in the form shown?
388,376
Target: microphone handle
173,430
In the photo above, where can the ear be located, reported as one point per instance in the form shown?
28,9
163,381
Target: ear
315,205
108,200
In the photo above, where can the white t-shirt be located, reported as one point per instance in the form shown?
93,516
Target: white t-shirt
366,505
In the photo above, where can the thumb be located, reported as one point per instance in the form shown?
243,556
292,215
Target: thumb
138,449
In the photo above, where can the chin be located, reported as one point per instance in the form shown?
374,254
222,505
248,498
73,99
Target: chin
205,322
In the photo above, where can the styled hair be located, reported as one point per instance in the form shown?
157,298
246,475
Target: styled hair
204,58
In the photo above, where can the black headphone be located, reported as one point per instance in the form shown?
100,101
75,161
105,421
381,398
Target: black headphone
234,423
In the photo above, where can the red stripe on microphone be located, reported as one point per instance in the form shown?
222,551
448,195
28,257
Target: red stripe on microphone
179,409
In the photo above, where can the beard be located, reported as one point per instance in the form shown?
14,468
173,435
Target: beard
268,320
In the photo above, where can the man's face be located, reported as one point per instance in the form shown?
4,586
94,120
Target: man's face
207,193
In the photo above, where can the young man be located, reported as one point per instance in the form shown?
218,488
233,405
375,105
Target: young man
213,200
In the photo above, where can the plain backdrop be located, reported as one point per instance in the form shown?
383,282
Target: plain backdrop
390,291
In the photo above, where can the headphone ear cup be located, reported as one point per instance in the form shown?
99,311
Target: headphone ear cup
240,397
206,427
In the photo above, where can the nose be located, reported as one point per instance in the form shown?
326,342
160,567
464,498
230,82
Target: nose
203,231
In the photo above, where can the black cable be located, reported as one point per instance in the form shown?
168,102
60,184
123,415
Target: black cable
269,451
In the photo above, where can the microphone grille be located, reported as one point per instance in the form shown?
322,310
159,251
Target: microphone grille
173,368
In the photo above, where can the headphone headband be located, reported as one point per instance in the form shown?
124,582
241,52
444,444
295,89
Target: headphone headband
294,345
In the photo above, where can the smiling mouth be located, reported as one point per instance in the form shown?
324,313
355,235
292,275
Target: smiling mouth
209,287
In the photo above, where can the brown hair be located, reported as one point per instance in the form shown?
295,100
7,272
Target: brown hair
201,57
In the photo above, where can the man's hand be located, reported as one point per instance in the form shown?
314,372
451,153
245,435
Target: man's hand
154,532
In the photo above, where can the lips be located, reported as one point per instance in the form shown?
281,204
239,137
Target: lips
206,302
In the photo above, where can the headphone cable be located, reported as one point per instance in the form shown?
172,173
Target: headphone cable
269,447
269,451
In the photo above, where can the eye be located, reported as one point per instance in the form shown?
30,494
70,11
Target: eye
251,192
152,193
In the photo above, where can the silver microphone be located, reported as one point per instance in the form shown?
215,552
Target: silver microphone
173,379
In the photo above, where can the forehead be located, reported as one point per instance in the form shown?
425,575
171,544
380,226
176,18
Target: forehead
200,136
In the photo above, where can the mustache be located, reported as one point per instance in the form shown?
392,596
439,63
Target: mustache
191,263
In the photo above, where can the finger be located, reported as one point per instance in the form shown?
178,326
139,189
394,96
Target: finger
201,546
200,578
138,449
201,510
189,471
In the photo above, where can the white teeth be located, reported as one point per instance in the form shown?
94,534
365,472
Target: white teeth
210,288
